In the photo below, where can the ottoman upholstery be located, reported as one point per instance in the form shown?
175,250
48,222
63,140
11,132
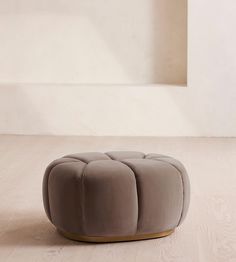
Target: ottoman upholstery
115,196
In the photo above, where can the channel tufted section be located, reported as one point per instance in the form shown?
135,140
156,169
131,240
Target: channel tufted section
110,199
45,181
160,197
65,196
185,180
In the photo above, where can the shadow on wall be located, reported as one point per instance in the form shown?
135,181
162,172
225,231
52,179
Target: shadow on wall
169,41
135,42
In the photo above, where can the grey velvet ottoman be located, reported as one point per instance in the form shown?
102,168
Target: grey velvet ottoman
116,196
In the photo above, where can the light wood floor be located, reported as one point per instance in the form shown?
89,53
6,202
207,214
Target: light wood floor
208,233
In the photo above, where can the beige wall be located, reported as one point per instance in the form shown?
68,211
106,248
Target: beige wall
93,41
206,107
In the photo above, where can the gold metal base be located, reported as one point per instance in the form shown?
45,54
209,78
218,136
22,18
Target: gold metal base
99,239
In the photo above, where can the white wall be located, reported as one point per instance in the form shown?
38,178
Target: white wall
207,107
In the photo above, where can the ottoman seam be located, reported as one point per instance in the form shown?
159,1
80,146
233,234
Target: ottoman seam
111,158
136,191
83,198
180,173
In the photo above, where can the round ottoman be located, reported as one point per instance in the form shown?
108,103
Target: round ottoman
116,196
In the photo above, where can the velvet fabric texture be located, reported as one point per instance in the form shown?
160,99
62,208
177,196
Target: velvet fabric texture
116,193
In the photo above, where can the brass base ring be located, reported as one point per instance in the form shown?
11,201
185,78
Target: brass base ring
105,239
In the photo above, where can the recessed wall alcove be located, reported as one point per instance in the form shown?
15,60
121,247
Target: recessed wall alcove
93,41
